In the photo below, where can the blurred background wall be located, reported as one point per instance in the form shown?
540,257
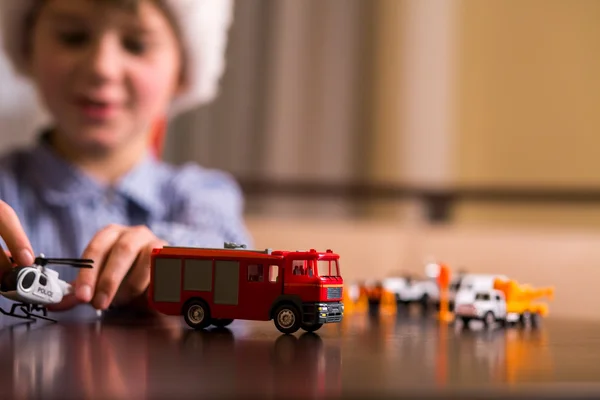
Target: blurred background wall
528,102
412,93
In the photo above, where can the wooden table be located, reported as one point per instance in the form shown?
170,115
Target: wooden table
373,356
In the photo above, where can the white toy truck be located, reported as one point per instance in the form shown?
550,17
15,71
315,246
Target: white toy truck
407,290
506,302
425,291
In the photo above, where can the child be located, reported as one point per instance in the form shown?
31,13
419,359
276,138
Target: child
107,70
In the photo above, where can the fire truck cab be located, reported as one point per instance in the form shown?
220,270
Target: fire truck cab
210,286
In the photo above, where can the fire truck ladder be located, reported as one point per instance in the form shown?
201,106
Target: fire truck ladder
228,245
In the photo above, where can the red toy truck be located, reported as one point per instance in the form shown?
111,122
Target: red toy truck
210,286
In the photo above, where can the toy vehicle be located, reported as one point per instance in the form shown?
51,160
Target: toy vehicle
424,291
210,286
408,290
468,284
34,287
507,302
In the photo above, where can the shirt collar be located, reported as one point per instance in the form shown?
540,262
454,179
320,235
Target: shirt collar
62,183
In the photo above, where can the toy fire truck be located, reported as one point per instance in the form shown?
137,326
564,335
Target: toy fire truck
210,286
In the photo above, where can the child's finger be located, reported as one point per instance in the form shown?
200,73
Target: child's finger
138,278
14,236
5,263
122,257
98,250
68,302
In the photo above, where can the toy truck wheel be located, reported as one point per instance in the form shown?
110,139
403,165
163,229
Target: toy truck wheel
465,321
489,319
424,302
400,302
311,327
221,322
287,319
536,320
197,314
525,319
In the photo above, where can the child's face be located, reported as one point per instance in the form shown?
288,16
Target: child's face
105,73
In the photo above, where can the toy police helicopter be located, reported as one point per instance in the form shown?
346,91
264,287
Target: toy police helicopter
35,287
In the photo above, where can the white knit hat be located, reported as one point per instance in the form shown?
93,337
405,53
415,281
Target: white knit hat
204,26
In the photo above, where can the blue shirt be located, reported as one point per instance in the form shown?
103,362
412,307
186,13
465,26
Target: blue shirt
61,208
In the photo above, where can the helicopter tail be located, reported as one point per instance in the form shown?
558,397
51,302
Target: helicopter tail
66,288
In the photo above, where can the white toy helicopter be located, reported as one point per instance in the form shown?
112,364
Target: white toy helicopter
34,287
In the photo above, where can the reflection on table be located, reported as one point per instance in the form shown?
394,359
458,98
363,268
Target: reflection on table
366,354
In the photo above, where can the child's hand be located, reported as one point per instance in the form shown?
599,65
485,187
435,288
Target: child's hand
15,238
121,270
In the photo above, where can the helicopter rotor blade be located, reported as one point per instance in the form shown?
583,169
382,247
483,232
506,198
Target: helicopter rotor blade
70,264
77,260
77,265
62,261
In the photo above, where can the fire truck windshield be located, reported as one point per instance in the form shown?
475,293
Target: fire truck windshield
313,268
328,268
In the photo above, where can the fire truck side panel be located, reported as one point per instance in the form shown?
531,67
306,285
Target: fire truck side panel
168,277
197,275
178,279
242,289
227,283
261,284
165,292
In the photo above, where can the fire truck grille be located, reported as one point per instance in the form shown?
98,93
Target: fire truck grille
334,315
334,293
326,312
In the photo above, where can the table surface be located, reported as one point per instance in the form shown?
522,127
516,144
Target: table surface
376,355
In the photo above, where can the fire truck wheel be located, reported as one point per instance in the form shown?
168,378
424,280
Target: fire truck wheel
287,318
197,314
221,322
311,327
